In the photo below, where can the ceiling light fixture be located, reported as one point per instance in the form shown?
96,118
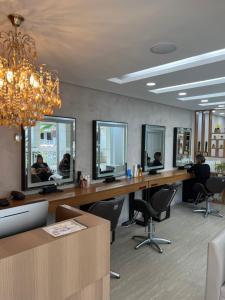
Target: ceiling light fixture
204,100
182,94
182,64
151,84
212,103
190,85
213,111
27,92
222,113
213,95
220,106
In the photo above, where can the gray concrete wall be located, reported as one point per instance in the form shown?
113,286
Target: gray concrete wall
86,105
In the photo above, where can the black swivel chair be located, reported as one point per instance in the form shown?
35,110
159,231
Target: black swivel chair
109,210
214,185
159,203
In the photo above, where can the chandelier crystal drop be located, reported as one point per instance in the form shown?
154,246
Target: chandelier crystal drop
27,91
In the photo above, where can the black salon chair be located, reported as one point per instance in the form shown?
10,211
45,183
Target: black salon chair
214,185
159,203
109,210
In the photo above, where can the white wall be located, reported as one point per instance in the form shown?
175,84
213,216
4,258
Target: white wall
87,105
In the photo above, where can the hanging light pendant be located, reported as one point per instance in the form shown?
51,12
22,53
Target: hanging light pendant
27,91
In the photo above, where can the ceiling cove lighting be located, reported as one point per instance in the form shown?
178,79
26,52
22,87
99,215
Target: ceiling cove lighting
151,84
182,64
213,95
190,85
27,91
212,103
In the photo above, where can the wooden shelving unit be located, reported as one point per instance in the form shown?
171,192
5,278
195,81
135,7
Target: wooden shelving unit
208,142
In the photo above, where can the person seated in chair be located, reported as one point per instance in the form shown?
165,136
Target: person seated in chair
201,170
64,166
41,169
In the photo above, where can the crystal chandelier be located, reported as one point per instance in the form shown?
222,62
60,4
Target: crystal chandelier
27,91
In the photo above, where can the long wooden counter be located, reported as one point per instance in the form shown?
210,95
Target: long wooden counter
79,196
36,266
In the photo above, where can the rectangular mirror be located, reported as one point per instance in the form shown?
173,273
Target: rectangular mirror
48,152
109,149
153,148
182,147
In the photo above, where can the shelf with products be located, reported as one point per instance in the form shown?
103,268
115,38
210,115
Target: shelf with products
209,134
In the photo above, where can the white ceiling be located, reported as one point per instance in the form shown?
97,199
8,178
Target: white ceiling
88,41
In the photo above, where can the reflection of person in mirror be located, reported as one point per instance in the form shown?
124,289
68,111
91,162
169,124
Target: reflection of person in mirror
41,169
64,166
148,161
157,159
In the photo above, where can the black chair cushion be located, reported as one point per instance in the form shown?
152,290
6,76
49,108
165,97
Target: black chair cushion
159,203
216,185
199,188
145,208
109,210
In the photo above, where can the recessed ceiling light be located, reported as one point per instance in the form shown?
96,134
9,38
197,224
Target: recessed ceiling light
182,64
212,103
151,84
213,95
190,85
163,48
213,111
182,94
204,100
221,106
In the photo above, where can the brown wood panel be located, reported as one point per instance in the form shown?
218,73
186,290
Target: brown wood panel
78,196
99,290
36,266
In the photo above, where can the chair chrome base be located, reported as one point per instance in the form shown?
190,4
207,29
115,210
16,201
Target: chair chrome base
151,240
208,211
114,275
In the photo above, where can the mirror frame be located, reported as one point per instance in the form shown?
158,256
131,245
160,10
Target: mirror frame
175,133
95,174
143,142
24,183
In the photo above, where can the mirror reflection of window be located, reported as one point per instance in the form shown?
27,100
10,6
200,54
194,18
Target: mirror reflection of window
111,148
154,141
50,151
182,138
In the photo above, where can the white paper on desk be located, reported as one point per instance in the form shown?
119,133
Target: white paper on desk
63,228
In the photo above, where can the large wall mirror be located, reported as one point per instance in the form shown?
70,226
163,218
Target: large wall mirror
182,147
109,149
48,151
153,148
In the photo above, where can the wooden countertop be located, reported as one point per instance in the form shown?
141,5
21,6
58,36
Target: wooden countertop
36,266
21,242
95,192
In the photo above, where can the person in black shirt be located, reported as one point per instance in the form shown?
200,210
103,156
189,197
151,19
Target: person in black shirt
157,159
40,169
64,166
200,170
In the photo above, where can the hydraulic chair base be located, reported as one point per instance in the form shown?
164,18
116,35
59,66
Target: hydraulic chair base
151,240
114,275
208,211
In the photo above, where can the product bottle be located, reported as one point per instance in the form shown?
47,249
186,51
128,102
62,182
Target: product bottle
135,170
